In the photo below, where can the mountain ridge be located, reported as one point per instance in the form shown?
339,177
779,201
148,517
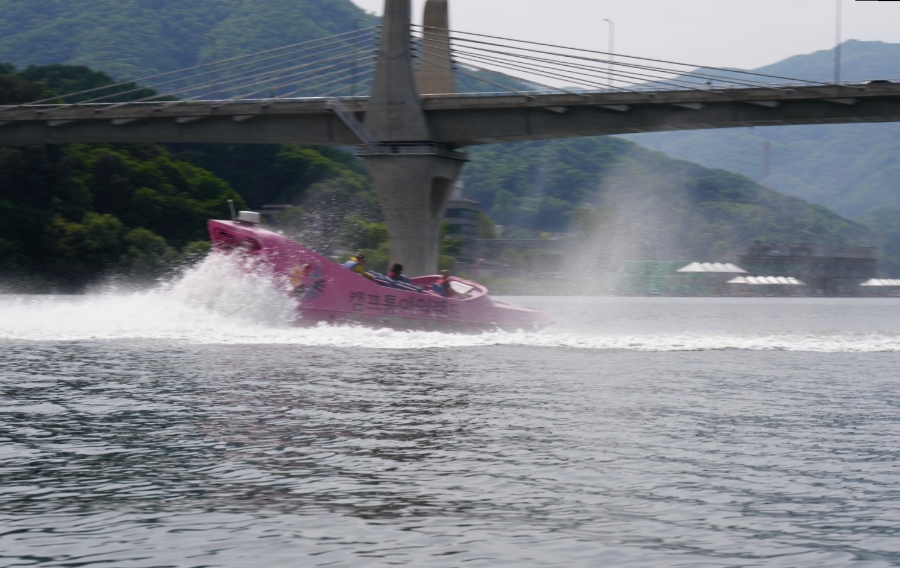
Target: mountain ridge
137,38
849,168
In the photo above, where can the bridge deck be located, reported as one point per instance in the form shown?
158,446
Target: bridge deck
456,120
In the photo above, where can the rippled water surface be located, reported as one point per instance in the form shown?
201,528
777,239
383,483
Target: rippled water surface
188,426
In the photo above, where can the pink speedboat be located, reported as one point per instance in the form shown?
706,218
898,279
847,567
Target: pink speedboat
328,292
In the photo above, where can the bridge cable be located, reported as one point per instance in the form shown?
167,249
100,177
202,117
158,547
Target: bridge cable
218,84
556,73
219,80
195,67
507,65
511,58
735,71
467,60
531,70
255,79
359,84
482,79
339,79
600,74
299,80
664,73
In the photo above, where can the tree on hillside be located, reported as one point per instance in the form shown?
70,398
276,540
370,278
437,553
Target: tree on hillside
76,212
629,203
137,38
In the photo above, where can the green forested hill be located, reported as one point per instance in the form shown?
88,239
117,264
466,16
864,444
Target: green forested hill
77,212
663,208
850,168
137,38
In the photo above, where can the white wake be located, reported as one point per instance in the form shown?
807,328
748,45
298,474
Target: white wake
221,302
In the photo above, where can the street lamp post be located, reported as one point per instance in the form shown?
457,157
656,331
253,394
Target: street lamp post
215,56
837,47
612,48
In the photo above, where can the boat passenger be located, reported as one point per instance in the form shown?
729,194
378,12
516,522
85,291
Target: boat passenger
396,273
443,287
358,265
400,281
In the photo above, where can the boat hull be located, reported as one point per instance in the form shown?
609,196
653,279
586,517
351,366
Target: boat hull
329,293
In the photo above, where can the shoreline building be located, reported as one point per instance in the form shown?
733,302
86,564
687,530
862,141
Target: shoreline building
764,270
676,278
462,218
521,258
508,258
881,288
827,271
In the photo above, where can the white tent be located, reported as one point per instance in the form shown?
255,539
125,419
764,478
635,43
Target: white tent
881,282
767,281
726,268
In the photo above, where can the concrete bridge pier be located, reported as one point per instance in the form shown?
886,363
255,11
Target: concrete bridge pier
414,191
412,176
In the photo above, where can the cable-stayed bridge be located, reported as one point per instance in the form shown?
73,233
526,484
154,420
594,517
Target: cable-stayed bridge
456,120
394,91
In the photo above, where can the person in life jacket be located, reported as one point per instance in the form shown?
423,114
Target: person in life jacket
443,285
358,265
396,273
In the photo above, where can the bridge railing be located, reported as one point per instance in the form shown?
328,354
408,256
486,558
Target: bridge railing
99,107
711,88
265,102
412,149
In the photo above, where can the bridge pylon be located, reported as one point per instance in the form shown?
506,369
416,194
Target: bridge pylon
413,176
436,74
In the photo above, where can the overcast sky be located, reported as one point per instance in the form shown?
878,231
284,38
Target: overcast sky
734,33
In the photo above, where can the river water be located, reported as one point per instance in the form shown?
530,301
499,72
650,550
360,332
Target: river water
190,426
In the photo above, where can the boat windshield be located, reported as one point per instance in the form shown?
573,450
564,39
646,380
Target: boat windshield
460,288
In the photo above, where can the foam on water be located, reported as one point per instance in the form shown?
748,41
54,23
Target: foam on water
218,298
220,301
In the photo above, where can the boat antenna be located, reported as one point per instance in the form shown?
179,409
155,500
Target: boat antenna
231,206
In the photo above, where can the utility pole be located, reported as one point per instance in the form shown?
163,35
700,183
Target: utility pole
612,48
215,57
